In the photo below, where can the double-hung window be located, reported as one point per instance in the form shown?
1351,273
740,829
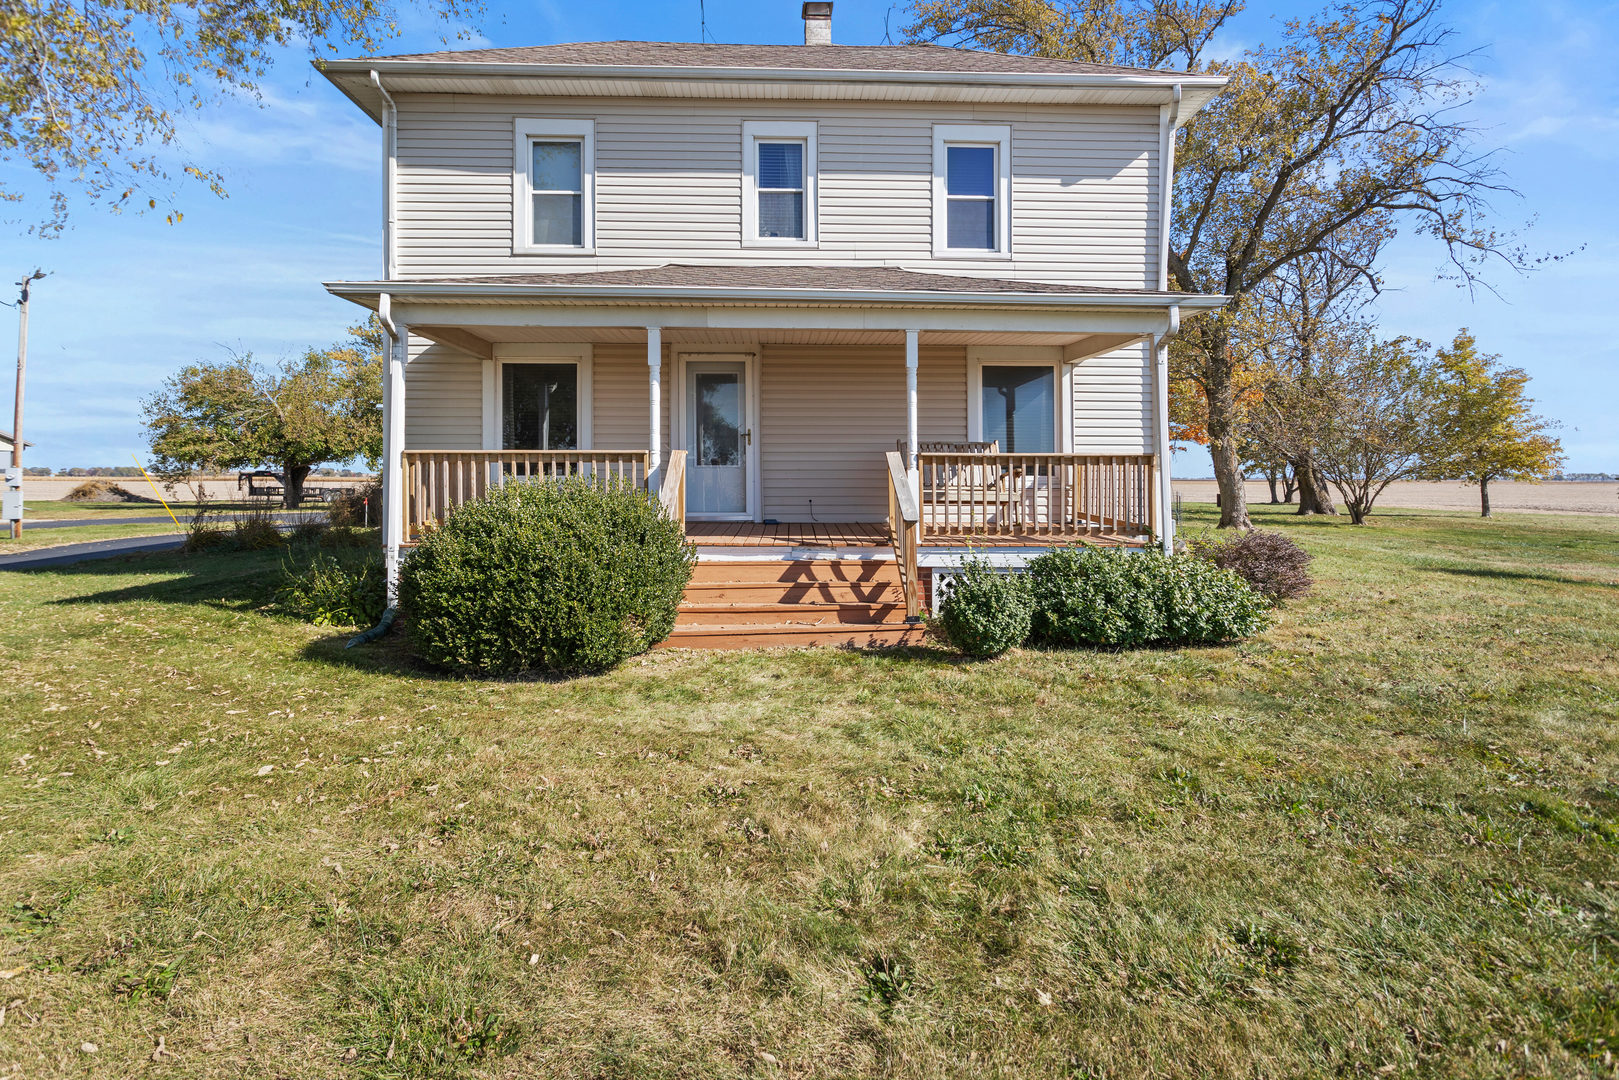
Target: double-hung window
972,189
554,181
778,184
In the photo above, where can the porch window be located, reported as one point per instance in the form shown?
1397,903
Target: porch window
972,191
778,184
553,184
1020,408
540,406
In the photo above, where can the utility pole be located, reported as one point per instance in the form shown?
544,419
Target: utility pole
13,486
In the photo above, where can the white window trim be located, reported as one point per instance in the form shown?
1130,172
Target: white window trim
580,355
801,131
522,206
1062,385
1000,137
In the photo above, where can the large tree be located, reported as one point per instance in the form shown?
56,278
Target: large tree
93,92
1352,114
325,406
1486,428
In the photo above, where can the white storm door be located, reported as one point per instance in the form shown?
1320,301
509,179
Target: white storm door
718,438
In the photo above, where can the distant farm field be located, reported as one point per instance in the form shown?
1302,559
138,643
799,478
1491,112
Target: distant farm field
1571,497
1379,840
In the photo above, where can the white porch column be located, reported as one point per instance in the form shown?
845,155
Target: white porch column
654,363
1160,410
912,471
393,448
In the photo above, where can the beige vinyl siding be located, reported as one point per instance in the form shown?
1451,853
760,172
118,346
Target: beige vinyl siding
620,385
443,398
1113,403
668,186
828,415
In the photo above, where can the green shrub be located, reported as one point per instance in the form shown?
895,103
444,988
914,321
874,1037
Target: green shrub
984,613
1269,561
255,530
560,576
1121,598
201,536
334,590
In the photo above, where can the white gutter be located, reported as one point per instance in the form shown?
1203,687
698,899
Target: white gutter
708,295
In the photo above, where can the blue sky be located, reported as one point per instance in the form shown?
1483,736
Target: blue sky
131,298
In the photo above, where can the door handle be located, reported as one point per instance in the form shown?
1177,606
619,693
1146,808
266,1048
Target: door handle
748,435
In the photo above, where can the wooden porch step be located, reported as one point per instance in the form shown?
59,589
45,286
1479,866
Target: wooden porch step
788,614
856,636
780,592
797,572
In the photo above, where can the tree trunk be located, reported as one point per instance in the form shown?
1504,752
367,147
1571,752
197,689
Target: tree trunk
292,485
1290,484
1314,497
1270,478
1221,390
1357,512
1484,495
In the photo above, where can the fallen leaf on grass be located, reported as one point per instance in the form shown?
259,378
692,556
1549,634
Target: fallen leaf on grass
265,770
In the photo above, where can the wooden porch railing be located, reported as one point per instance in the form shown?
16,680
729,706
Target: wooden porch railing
904,530
437,481
672,490
977,494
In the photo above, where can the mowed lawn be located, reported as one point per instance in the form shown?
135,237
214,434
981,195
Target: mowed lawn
1380,840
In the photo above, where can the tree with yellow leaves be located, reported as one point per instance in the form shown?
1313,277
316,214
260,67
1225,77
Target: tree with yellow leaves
1486,428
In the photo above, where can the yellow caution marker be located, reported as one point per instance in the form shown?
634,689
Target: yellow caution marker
156,492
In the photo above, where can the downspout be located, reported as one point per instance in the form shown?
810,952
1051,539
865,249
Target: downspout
390,153
1160,408
1169,119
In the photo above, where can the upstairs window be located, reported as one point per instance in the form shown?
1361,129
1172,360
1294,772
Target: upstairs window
970,194
554,183
778,184
781,190
972,190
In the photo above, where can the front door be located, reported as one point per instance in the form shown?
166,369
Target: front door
717,438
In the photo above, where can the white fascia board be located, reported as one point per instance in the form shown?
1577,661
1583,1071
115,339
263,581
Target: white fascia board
1196,89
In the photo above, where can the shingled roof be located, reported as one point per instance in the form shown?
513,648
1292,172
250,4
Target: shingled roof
920,58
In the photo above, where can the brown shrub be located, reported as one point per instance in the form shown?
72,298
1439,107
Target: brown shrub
348,507
1269,561
99,490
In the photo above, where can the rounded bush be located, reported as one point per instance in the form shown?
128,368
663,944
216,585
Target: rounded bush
1119,598
1269,561
562,576
985,613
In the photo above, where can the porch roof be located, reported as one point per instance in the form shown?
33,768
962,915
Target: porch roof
679,284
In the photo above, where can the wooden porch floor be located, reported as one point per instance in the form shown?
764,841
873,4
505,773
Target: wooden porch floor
863,534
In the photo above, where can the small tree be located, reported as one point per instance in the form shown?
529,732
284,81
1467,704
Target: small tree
1368,411
323,407
1486,429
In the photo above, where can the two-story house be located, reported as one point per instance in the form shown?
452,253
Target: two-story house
837,304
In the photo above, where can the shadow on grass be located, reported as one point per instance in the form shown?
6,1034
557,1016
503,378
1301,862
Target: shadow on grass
234,581
1493,574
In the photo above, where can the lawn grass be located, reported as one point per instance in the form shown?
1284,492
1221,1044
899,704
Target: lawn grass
1379,840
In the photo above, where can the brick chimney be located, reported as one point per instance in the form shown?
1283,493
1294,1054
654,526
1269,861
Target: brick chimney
818,22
